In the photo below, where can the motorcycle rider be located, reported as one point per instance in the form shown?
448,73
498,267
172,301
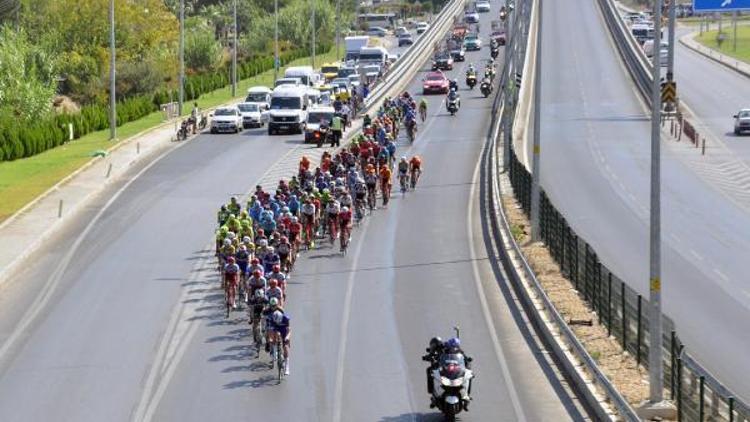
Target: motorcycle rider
437,352
453,84
453,97
472,70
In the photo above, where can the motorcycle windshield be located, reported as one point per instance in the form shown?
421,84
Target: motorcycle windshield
452,366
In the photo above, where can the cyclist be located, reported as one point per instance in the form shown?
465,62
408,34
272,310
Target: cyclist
279,277
308,212
231,279
423,108
222,216
371,180
255,305
385,183
403,172
333,210
257,282
274,291
282,332
360,192
345,225
234,206
255,266
285,250
415,169
273,306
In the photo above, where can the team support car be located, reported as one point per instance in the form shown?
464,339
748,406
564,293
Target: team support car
226,119
421,27
742,121
405,39
442,61
251,115
472,42
435,82
498,36
471,16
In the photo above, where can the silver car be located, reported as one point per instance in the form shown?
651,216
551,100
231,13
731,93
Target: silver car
742,121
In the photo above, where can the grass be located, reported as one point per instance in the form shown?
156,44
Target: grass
709,39
23,180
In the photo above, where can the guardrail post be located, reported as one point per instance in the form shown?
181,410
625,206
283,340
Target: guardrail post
59,209
701,399
638,331
598,289
624,317
609,304
672,349
703,148
586,260
731,408
575,274
562,247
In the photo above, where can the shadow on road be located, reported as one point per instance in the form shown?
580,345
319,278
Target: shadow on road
413,417
265,381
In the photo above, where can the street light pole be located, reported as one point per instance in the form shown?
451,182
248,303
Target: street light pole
535,165
181,78
112,74
670,57
656,382
313,33
338,32
275,39
509,81
234,52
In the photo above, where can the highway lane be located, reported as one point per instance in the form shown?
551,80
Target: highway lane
132,327
715,93
595,168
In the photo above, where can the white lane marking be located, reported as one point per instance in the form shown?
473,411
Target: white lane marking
500,354
338,391
721,275
54,279
148,403
696,255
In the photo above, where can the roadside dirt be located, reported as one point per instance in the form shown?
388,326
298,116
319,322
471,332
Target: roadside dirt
620,367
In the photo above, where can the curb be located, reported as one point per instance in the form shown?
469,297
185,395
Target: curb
689,42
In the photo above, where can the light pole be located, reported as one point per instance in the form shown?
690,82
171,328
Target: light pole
112,74
535,165
338,33
670,57
181,95
313,33
276,39
510,38
234,51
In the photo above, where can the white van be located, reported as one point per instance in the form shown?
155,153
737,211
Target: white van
305,73
260,95
377,55
288,109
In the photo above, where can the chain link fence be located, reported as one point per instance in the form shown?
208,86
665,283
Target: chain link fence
697,395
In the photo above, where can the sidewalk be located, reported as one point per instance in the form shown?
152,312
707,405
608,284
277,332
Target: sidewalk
728,61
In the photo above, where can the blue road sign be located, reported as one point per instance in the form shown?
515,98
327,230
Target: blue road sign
720,5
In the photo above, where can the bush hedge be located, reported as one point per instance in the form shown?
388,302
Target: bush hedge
22,139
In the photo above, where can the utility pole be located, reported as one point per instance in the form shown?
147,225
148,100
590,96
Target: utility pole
313,33
509,81
276,40
338,32
656,382
670,57
535,165
181,78
734,23
112,74
234,52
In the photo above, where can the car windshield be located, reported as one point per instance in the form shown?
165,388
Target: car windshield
329,69
371,69
371,56
248,107
225,112
435,77
344,72
354,78
471,38
317,117
743,114
256,97
286,103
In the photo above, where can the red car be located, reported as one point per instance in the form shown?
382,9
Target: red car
435,82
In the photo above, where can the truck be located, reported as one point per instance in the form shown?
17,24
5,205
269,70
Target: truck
353,45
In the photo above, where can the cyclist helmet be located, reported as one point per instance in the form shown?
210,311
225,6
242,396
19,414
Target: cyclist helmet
255,261
278,316
230,260
276,268
270,249
243,248
247,239
284,239
294,220
256,273
227,242
223,207
344,209
259,293
273,282
403,158
274,302
231,235
263,242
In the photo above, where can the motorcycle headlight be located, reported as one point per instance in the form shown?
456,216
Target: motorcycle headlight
447,382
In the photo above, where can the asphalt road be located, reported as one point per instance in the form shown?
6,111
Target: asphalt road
120,317
596,169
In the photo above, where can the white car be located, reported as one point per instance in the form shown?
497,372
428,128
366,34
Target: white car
315,117
422,26
482,6
471,16
251,114
742,121
226,119
354,80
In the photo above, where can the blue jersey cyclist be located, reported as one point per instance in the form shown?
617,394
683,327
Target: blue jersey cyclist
280,324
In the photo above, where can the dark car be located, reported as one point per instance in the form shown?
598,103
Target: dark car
499,37
442,61
458,54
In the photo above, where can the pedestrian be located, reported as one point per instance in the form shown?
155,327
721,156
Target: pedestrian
346,114
336,128
366,90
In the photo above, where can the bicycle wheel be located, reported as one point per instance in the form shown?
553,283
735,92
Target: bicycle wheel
280,363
